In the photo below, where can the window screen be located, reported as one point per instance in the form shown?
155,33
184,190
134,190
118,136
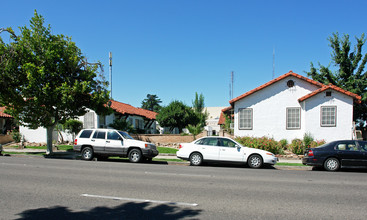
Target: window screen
293,118
328,116
245,119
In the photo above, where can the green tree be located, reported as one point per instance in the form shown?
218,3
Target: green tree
74,126
122,125
348,72
176,115
45,79
198,106
152,103
195,129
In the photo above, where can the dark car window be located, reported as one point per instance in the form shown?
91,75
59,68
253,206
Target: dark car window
126,135
200,142
86,134
363,145
113,135
99,135
227,143
346,146
210,141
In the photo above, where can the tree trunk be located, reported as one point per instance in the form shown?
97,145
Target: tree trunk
49,139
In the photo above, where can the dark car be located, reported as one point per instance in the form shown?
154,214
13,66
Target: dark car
338,154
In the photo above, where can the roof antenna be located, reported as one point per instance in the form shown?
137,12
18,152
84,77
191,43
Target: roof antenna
273,62
110,59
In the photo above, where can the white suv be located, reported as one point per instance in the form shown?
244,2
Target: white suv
111,142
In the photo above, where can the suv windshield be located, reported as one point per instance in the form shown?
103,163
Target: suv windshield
125,135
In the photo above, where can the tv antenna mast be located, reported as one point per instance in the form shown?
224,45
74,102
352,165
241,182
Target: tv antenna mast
231,86
110,59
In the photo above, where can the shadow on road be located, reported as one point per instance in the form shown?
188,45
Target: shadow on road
131,210
342,170
233,165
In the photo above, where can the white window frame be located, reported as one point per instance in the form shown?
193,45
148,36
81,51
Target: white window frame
328,118
242,125
293,118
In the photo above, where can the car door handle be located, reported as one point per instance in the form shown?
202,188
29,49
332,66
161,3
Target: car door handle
93,140
107,141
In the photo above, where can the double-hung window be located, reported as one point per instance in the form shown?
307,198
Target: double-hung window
293,118
328,116
245,119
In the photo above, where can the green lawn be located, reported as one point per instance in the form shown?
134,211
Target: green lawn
166,150
291,164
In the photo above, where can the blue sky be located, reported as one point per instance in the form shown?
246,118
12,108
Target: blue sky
174,48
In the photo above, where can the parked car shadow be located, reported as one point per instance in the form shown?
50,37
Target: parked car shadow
130,210
349,170
233,165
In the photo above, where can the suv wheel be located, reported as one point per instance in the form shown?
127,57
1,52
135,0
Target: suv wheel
87,153
135,155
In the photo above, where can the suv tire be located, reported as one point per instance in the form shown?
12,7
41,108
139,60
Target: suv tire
135,156
87,153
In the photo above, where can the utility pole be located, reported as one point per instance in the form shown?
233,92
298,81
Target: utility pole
110,74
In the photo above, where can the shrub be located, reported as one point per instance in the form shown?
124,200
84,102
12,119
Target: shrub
307,139
264,143
297,146
283,143
16,135
317,143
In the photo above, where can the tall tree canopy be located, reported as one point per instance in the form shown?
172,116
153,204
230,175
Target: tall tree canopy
45,79
349,72
198,105
176,115
152,103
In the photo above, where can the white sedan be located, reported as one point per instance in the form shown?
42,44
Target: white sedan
222,149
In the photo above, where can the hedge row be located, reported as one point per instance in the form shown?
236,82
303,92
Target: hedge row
297,146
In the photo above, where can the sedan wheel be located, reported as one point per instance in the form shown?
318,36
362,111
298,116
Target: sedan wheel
196,159
255,161
87,153
332,164
135,155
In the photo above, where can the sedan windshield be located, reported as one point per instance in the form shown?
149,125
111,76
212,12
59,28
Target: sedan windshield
125,135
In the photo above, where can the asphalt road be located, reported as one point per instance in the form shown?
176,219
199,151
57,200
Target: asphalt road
38,188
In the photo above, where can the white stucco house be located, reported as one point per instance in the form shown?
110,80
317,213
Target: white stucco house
290,106
140,119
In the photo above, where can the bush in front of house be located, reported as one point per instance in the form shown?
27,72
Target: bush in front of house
263,143
16,136
317,143
297,146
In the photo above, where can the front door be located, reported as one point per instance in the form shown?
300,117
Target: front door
363,149
230,151
114,143
349,153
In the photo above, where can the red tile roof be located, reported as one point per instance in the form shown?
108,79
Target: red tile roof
356,97
291,73
131,110
2,114
222,118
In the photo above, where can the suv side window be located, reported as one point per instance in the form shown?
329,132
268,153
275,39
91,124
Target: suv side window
99,135
86,134
113,135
